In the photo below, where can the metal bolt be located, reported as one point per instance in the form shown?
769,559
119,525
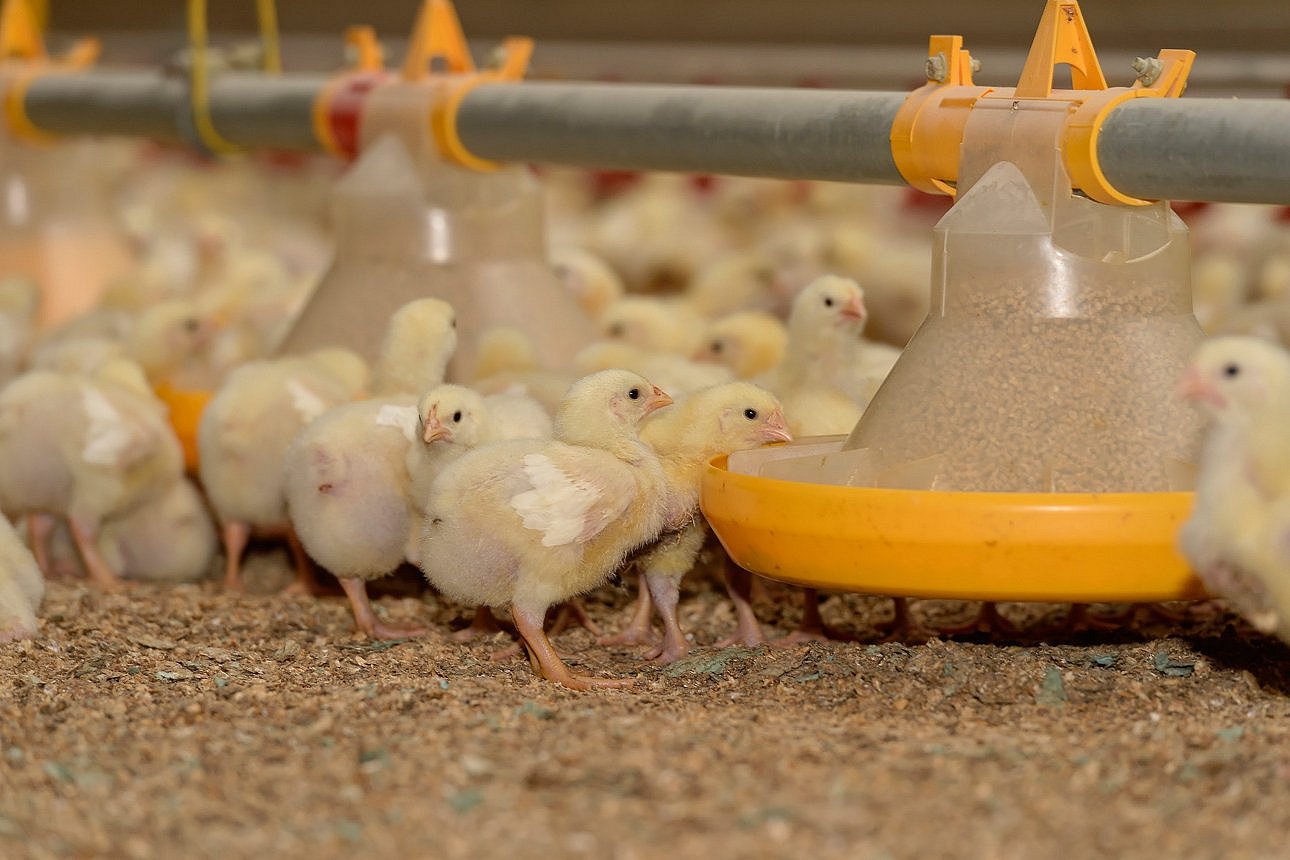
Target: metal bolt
1148,69
938,68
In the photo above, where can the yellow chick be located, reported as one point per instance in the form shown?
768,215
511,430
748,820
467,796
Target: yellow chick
738,281
169,538
671,372
529,524
750,343
83,448
171,342
19,302
713,421
21,586
1238,536
243,438
453,419
591,280
654,324
348,491
507,362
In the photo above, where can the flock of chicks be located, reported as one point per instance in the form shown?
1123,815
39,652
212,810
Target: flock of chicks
534,485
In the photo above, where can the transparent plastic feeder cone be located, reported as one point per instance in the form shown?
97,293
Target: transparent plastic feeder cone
407,230
55,229
1059,327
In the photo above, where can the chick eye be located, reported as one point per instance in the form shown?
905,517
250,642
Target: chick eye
617,330
191,325
456,416
765,276
1232,370
717,346
453,323
750,414
634,394
828,301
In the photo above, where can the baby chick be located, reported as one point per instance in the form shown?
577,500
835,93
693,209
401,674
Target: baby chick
347,486
167,539
507,362
85,448
671,372
750,343
19,301
21,586
591,280
713,421
654,324
243,439
528,524
171,342
1238,536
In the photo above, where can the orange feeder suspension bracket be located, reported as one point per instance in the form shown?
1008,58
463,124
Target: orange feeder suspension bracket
927,132
22,49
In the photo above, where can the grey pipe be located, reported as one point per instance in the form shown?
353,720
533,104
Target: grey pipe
1173,149
246,109
785,133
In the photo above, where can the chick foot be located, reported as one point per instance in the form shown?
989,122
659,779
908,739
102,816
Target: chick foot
748,632
366,619
638,631
235,536
305,583
96,566
665,591
903,626
546,663
571,613
483,624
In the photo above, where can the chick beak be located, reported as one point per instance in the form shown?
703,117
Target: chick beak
434,429
1194,387
776,429
658,401
854,310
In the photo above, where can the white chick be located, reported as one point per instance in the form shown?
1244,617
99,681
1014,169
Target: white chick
85,448
671,372
739,281
750,343
243,438
347,485
825,343
453,419
420,339
507,362
658,325
171,342
19,302
529,524
591,280
713,421
168,539
1238,536
21,586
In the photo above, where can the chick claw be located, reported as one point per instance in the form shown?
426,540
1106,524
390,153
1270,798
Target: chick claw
366,619
546,663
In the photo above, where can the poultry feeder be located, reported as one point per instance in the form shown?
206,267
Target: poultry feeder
409,223
1027,445
54,230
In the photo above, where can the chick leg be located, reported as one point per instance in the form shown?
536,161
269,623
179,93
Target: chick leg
483,624
100,572
365,617
812,628
305,581
638,631
39,528
987,620
572,612
235,537
546,662
666,590
739,587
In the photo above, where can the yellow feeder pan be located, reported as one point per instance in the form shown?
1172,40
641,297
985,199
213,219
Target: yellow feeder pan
186,407
1045,547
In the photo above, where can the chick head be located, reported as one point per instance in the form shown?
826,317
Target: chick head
639,321
426,320
829,302
170,332
605,407
419,340
591,281
451,414
748,342
1231,378
737,415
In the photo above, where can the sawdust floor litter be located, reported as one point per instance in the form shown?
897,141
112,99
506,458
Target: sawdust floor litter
183,722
